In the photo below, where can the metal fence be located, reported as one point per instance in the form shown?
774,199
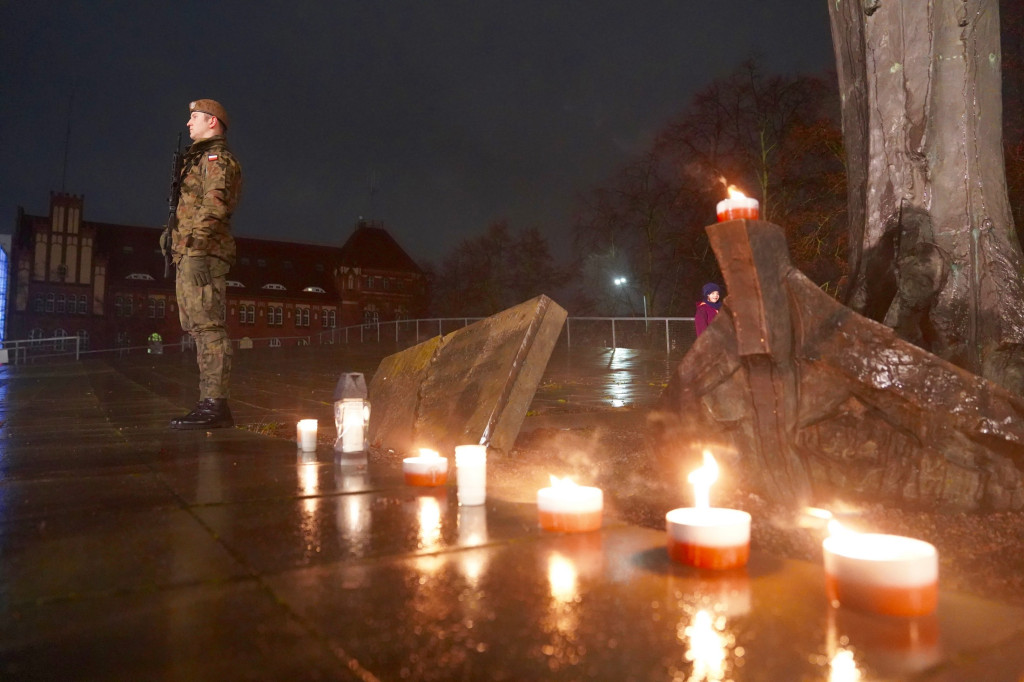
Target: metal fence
668,334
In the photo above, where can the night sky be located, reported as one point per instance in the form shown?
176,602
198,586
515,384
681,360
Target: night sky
460,113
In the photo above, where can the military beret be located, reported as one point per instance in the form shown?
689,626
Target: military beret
211,107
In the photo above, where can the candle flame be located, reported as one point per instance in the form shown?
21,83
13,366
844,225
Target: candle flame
429,454
735,193
702,478
566,482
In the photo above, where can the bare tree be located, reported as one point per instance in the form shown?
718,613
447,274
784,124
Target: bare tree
775,137
933,251
629,228
486,274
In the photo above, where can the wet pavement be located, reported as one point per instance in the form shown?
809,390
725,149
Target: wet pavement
131,552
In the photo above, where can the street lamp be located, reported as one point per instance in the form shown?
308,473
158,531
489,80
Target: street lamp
622,281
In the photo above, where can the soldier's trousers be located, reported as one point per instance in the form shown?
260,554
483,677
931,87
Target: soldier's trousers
202,312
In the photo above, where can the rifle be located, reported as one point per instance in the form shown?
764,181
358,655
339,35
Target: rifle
167,238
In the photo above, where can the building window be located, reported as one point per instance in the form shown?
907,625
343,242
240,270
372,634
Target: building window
39,304
118,307
151,308
49,302
368,282
62,303
275,342
251,314
83,339
247,313
83,307
129,306
161,308
302,317
387,283
59,344
328,317
122,339
351,282
275,316
370,316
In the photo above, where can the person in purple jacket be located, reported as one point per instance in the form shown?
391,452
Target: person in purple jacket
708,307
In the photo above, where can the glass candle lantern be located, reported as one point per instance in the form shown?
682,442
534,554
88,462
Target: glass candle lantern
351,413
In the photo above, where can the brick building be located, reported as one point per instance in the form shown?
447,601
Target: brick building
104,283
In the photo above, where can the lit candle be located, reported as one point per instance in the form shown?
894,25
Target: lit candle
568,507
307,435
351,417
429,469
886,574
471,473
737,206
706,536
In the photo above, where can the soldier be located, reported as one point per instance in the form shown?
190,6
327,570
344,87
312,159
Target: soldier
203,251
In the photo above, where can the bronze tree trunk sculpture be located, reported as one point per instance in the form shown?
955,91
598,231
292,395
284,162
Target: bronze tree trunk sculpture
933,254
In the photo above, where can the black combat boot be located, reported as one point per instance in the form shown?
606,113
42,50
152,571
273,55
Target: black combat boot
209,413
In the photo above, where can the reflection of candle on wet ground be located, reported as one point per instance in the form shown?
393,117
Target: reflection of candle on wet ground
708,649
705,536
886,574
568,507
472,526
429,469
562,576
891,647
429,516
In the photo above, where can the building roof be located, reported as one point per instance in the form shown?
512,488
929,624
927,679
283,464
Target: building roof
371,246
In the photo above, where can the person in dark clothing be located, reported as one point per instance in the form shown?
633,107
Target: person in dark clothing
708,307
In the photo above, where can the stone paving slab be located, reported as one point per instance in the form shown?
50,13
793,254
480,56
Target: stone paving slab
229,555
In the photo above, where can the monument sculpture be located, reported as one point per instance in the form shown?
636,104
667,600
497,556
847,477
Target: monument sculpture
812,401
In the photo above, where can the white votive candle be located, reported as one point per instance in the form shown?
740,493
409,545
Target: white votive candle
471,473
709,537
307,435
568,507
886,574
429,469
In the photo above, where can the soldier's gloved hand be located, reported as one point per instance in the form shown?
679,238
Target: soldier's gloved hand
165,242
197,270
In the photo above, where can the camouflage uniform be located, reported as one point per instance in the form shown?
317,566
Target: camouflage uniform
211,182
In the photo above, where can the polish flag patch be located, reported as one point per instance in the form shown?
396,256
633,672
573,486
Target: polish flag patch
212,157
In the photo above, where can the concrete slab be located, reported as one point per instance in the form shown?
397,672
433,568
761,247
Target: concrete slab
474,385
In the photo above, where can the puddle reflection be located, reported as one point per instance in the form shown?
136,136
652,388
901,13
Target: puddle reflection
705,630
563,578
472,526
562,620
308,476
843,667
428,516
708,646
888,646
